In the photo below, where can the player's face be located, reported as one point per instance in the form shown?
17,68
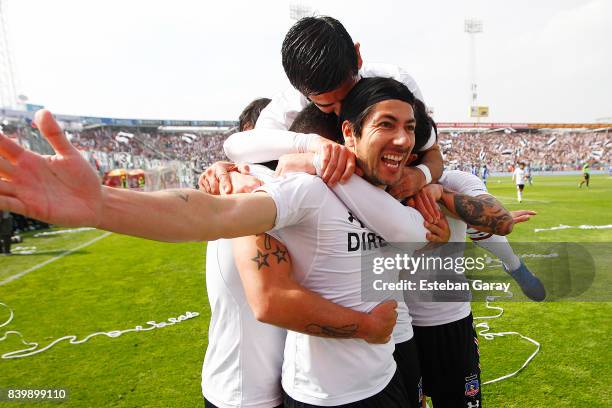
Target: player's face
387,138
331,101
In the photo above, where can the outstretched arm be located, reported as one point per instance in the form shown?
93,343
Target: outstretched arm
64,189
276,298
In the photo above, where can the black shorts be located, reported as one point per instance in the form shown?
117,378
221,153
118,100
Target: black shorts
587,176
450,363
407,358
520,187
394,395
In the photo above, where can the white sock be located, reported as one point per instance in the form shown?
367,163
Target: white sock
520,195
498,246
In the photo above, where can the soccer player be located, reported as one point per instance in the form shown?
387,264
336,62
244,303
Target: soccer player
586,174
459,325
485,174
519,178
251,307
323,64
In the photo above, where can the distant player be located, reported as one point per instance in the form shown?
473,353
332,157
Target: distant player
485,174
586,174
519,178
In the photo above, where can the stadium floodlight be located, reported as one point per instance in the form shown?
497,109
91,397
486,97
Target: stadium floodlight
299,10
8,93
473,26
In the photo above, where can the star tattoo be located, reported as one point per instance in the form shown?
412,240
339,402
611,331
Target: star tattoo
280,254
261,259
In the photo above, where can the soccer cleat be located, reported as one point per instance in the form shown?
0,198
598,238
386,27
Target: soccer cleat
531,286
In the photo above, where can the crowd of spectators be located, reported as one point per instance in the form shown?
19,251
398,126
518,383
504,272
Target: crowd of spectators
108,148
543,151
205,148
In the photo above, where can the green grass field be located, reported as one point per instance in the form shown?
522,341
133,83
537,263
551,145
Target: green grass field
117,283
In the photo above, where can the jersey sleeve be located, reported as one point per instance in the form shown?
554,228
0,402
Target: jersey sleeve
463,183
282,110
297,197
262,145
382,213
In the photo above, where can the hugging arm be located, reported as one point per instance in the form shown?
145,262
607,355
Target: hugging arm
276,298
263,145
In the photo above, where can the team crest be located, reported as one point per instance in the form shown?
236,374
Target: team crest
472,386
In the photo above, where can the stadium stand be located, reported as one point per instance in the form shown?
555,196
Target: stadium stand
543,150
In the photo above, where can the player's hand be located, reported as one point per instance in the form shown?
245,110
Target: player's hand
337,163
243,183
383,318
295,163
519,216
438,232
410,183
216,179
426,202
60,189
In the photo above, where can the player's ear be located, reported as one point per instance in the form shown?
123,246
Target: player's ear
349,137
359,60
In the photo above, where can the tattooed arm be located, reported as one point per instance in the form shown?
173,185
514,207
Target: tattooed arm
484,212
275,298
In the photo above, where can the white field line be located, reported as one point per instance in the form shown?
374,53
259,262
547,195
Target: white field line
525,200
48,261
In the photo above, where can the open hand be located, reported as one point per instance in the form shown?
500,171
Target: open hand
60,189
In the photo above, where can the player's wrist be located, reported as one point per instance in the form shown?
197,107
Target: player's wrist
426,173
366,326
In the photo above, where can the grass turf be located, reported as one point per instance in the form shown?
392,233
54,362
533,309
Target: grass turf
120,282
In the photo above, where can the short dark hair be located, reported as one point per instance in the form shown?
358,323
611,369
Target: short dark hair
368,92
318,55
250,114
312,120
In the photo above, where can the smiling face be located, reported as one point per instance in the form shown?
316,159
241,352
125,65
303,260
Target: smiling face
385,143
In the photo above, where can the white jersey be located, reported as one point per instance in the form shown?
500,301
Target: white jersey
519,176
435,313
285,106
327,243
242,367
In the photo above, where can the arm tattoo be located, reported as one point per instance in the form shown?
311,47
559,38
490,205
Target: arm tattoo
182,196
267,243
280,253
261,259
342,332
484,212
